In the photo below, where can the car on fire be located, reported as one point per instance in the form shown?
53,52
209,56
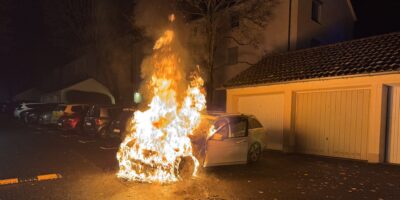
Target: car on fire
236,139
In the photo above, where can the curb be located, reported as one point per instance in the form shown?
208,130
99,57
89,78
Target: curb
44,177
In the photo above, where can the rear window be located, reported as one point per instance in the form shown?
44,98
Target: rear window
76,109
94,111
253,123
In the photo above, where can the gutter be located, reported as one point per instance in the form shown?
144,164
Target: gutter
313,79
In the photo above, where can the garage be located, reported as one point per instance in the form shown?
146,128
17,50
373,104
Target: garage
268,108
340,100
393,132
333,123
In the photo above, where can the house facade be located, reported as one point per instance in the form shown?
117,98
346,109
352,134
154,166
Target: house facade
292,25
340,100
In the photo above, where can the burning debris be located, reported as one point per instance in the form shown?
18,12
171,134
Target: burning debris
159,137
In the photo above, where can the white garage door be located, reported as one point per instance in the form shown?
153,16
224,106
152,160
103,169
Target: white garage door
333,123
393,140
268,109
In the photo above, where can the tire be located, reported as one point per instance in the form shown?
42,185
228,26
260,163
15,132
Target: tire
254,153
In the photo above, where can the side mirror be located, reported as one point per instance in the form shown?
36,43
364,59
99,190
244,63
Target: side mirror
217,136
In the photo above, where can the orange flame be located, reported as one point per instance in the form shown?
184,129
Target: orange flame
159,138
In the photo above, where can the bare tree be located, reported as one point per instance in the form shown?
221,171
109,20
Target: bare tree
99,28
214,15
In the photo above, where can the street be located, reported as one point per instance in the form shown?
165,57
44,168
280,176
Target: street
88,168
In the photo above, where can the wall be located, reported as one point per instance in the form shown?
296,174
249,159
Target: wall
336,24
376,84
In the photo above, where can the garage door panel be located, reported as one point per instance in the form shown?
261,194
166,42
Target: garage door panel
393,141
268,108
332,123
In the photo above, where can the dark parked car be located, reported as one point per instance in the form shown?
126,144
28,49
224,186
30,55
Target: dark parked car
98,119
32,116
118,126
73,121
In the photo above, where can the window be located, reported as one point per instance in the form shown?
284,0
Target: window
253,123
238,126
222,128
234,21
76,109
316,11
233,54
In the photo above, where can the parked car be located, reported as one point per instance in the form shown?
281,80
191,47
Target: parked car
51,118
118,126
72,121
21,110
237,140
98,119
33,116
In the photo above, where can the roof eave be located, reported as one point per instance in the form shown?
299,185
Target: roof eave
313,79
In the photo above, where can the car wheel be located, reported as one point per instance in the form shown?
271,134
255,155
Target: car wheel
254,152
185,168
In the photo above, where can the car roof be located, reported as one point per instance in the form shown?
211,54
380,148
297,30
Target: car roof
215,115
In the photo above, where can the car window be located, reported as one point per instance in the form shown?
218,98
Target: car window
254,123
94,111
238,126
222,127
76,109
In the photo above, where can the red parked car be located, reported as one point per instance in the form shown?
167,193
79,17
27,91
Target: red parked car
72,121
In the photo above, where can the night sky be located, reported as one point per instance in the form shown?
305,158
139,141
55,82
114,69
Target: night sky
27,52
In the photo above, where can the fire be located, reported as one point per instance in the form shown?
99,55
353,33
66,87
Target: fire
159,137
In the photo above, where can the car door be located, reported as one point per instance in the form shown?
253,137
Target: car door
231,144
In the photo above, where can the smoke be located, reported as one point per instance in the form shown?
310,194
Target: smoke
152,18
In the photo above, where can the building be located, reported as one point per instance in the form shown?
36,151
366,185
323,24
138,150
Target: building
340,100
29,95
86,91
293,25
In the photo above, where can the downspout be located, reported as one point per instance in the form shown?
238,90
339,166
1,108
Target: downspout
290,23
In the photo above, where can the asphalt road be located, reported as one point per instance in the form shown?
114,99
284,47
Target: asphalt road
89,173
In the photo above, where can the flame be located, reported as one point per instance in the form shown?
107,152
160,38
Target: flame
159,137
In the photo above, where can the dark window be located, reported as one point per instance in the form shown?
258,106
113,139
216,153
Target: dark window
253,123
76,109
233,54
94,111
238,126
234,21
316,11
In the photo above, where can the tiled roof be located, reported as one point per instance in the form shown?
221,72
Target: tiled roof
363,56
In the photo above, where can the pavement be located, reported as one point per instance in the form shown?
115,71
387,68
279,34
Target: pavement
88,172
